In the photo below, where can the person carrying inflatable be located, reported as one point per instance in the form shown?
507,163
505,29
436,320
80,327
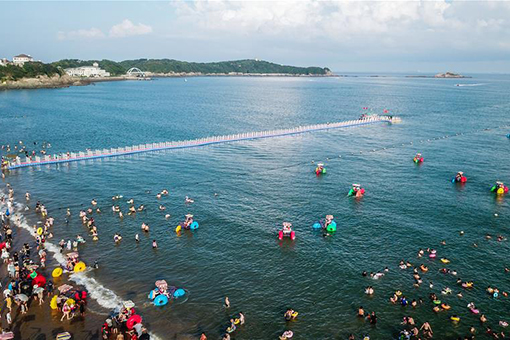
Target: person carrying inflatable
286,231
499,188
320,169
418,158
356,191
459,178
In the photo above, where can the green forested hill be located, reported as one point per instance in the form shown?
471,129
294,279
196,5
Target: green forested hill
28,70
170,65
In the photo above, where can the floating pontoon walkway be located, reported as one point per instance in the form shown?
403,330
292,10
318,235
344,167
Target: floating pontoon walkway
115,152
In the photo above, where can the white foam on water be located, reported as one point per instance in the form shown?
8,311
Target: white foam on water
105,297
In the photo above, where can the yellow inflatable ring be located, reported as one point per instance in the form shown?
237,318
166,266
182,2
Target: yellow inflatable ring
95,238
70,302
57,272
178,228
398,293
237,321
39,231
53,302
445,260
455,318
295,314
501,191
79,267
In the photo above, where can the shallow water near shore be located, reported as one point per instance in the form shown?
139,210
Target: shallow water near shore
260,184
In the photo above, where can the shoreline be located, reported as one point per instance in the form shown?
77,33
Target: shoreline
56,82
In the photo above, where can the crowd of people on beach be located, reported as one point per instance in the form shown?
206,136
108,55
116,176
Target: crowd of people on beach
28,282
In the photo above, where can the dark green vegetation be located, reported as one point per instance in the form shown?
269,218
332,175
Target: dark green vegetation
28,70
170,65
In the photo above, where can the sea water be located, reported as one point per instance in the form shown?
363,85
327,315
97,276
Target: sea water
244,191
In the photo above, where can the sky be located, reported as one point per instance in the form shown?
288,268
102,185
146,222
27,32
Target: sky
346,36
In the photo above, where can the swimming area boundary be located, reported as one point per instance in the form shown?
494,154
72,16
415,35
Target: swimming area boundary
135,149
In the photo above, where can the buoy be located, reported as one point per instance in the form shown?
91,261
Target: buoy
57,272
79,267
160,300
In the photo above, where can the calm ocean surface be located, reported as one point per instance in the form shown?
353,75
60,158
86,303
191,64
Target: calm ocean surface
262,183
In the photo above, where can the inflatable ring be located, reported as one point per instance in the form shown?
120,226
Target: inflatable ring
295,314
79,267
231,329
237,321
437,302
331,227
194,225
445,306
500,191
40,231
95,238
178,293
70,302
57,272
63,336
133,320
455,318
53,302
160,300
317,225
178,228
445,261
398,293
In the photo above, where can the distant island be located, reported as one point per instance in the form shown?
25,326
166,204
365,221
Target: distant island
440,75
73,72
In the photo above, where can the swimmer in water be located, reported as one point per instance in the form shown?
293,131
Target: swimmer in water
227,302
137,238
154,244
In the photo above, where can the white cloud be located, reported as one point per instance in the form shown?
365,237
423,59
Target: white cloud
357,27
127,29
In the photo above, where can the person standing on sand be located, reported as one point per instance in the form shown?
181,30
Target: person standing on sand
8,318
227,302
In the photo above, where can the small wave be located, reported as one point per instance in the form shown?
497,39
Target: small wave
104,296
470,84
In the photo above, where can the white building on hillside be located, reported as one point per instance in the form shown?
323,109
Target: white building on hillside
3,61
87,71
21,59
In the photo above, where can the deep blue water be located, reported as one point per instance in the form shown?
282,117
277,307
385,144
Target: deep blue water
262,183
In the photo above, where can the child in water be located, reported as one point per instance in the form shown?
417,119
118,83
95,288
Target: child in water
154,244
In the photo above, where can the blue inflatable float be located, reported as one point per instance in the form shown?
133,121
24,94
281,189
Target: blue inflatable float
152,294
194,225
179,293
160,300
317,225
